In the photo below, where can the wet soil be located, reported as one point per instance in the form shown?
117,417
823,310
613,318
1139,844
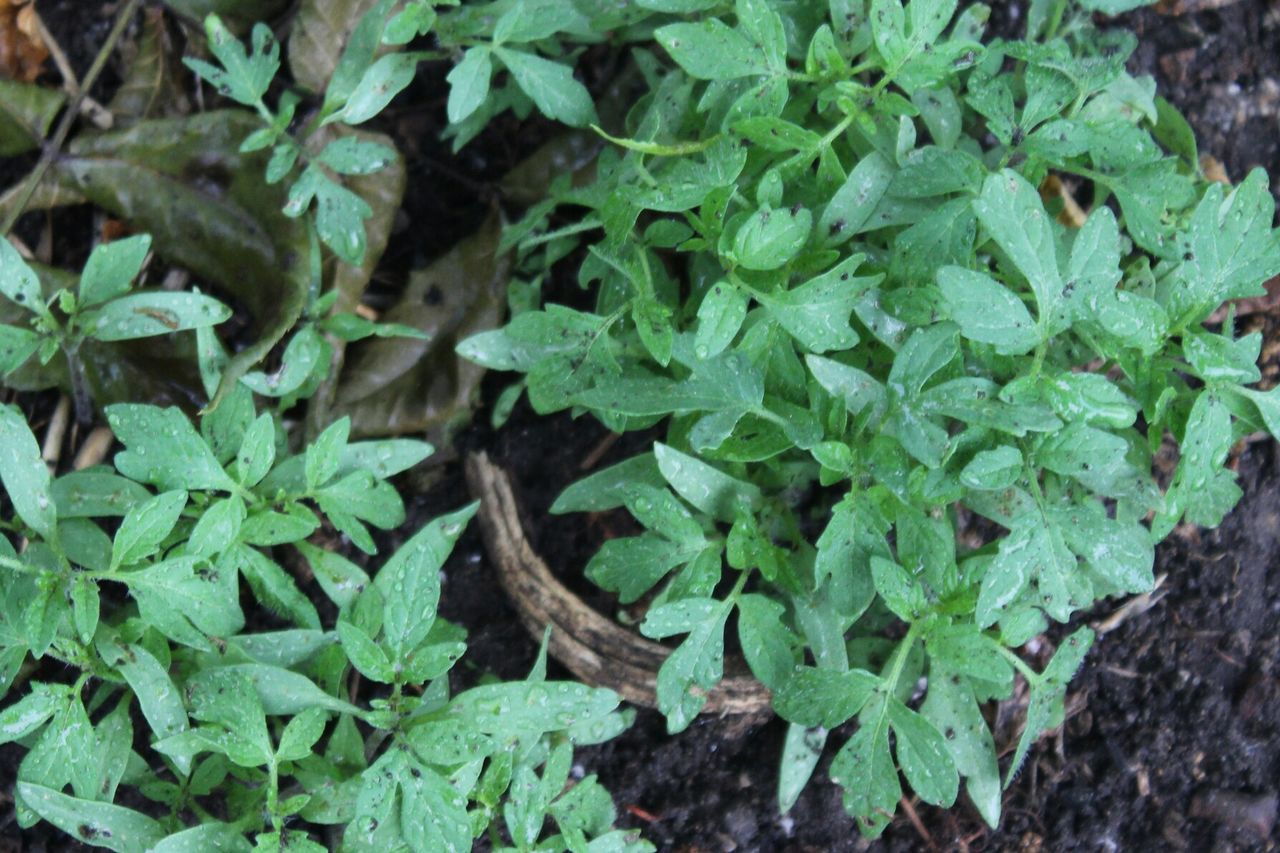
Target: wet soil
1174,737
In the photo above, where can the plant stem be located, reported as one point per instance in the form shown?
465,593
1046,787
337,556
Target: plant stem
54,145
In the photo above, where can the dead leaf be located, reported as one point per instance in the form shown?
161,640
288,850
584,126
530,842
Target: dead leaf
205,204
152,86
26,113
392,386
238,15
320,32
22,48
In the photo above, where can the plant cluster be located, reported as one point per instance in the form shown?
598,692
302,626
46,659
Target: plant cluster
825,260
834,257
250,732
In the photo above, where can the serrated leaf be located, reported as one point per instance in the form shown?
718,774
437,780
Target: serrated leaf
697,664
1045,710
163,449
1011,211
864,769
244,75
951,707
817,312
551,86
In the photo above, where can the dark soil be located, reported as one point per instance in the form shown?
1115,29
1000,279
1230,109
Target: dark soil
1175,730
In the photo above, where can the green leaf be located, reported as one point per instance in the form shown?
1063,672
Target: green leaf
766,642
159,700
824,697
1011,211
817,312
341,579
698,663
145,527
206,836
257,451
768,239
163,449
987,311
704,486
864,769
551,86
244,76
218,527
632,565
410,581
711,50
801,752
23,472
111,269
300,735
365,655
31,711
993,469
85,607
1228,251
381,82
900,592
951,707
340,213
1202,488
145,315
352,155
1045,709
469,83
851,207
273,586
16,346
324,455
100,824
514,710
720,316
923,754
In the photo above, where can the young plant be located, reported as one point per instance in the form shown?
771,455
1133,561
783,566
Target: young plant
827,255
100,308
258,735
361,86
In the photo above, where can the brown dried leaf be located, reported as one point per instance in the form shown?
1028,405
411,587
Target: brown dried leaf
392,386
152,86
320,32
22,48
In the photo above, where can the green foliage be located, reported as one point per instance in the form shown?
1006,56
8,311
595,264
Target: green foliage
253,736
100,308
823,254
359,89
